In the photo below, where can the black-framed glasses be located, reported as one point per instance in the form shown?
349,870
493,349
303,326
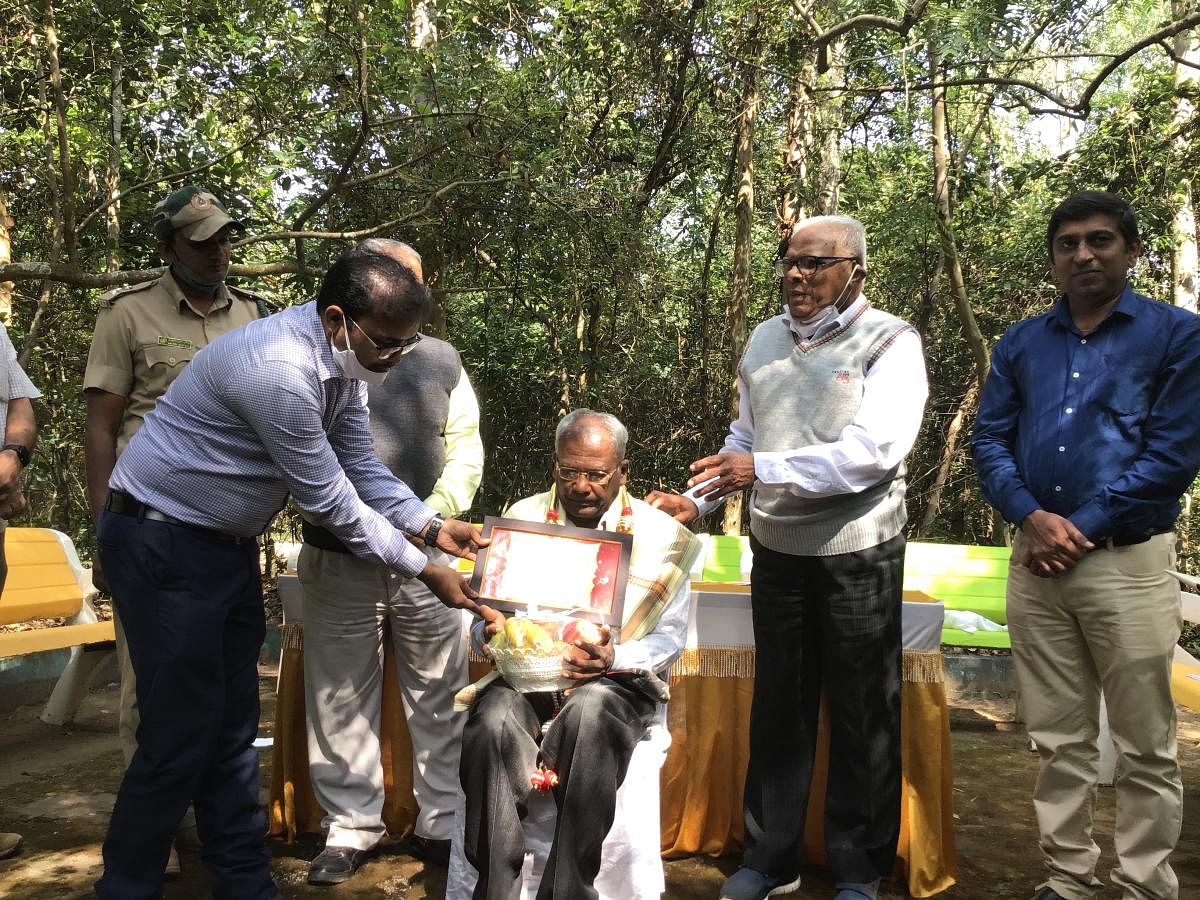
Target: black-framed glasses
594,477
387,352
808,265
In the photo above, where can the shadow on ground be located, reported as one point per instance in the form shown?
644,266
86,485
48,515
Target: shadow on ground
57,786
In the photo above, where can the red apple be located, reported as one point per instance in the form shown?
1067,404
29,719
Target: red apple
581,630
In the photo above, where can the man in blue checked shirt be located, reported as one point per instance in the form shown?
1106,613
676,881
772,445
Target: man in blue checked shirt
1086,438
270,410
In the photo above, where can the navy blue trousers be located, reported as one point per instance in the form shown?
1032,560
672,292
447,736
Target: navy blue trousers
830,622
191,605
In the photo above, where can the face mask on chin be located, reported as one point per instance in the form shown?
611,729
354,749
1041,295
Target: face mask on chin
348,362
193,279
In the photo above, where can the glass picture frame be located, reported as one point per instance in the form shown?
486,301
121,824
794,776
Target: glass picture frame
557,568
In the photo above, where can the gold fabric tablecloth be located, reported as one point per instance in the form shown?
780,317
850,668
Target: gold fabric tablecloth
701,803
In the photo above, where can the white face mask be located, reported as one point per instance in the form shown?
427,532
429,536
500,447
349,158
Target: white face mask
348,362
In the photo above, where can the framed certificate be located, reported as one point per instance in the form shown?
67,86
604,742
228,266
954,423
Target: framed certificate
558,568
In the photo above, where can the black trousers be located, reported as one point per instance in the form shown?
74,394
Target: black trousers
832,622
588,744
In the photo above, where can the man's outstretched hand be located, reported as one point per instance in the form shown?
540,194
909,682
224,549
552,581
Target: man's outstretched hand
719,476
451,588
459,538
679,507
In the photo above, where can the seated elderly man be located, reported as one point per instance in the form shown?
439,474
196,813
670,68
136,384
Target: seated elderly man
616,697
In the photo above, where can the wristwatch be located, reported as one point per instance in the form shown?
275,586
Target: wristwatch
22,452
431,533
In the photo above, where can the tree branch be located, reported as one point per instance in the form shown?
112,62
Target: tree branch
854,23
65,274
169,179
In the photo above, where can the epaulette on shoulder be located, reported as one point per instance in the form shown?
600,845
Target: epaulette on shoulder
107,300
264,306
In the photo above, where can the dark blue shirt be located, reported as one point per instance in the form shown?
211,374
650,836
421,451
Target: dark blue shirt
1104,428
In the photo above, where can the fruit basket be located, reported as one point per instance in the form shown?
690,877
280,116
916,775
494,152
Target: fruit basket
529,653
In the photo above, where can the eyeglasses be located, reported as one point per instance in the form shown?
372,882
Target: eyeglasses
808,265
390,351
592,477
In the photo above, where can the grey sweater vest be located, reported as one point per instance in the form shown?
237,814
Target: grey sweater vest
408,413
408,421
803,394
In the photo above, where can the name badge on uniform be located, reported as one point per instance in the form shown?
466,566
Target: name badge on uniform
179,343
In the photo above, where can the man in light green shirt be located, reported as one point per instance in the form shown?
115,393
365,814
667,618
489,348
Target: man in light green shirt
425,421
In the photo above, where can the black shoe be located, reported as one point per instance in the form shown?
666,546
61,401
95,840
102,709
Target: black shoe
429,850
1048,893
336,864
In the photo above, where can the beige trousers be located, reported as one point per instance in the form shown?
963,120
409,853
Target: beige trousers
1109,624
346,603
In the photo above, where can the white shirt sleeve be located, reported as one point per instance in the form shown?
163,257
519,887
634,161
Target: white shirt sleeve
658,649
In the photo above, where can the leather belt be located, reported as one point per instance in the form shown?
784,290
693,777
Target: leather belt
128,505
321,538
1128,540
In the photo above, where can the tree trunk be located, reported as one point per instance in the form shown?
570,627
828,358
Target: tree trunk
949,451
57,229
793,199
112,176
67,200
739,299
713,425
1184,258
945,215
6,287
829,171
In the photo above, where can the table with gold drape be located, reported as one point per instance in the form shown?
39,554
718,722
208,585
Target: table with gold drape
701,804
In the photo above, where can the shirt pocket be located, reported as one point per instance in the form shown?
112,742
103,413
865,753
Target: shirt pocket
167,357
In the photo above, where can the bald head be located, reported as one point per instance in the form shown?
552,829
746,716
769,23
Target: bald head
398,250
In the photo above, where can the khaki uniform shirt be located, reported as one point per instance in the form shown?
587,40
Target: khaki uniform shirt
147,333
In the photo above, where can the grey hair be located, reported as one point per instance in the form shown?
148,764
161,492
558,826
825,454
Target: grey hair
572,426
853,232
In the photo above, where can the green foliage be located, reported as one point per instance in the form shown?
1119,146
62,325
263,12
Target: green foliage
559,168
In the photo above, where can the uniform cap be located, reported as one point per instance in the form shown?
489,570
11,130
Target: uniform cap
194,213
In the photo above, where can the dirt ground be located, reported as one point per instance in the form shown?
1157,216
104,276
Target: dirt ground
57,787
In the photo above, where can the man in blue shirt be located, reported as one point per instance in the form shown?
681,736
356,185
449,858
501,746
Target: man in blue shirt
272,409
1086,438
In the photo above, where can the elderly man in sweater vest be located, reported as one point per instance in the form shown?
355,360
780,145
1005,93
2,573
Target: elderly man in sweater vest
831,397
425,424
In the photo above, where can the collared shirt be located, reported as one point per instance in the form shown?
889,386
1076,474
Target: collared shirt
881,435
261,413
14,383
146,334
1101,428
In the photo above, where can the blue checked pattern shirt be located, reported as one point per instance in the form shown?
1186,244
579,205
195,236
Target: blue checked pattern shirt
1102,429
263,412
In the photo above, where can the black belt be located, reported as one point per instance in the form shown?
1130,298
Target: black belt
1128,540
321,538
128,505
